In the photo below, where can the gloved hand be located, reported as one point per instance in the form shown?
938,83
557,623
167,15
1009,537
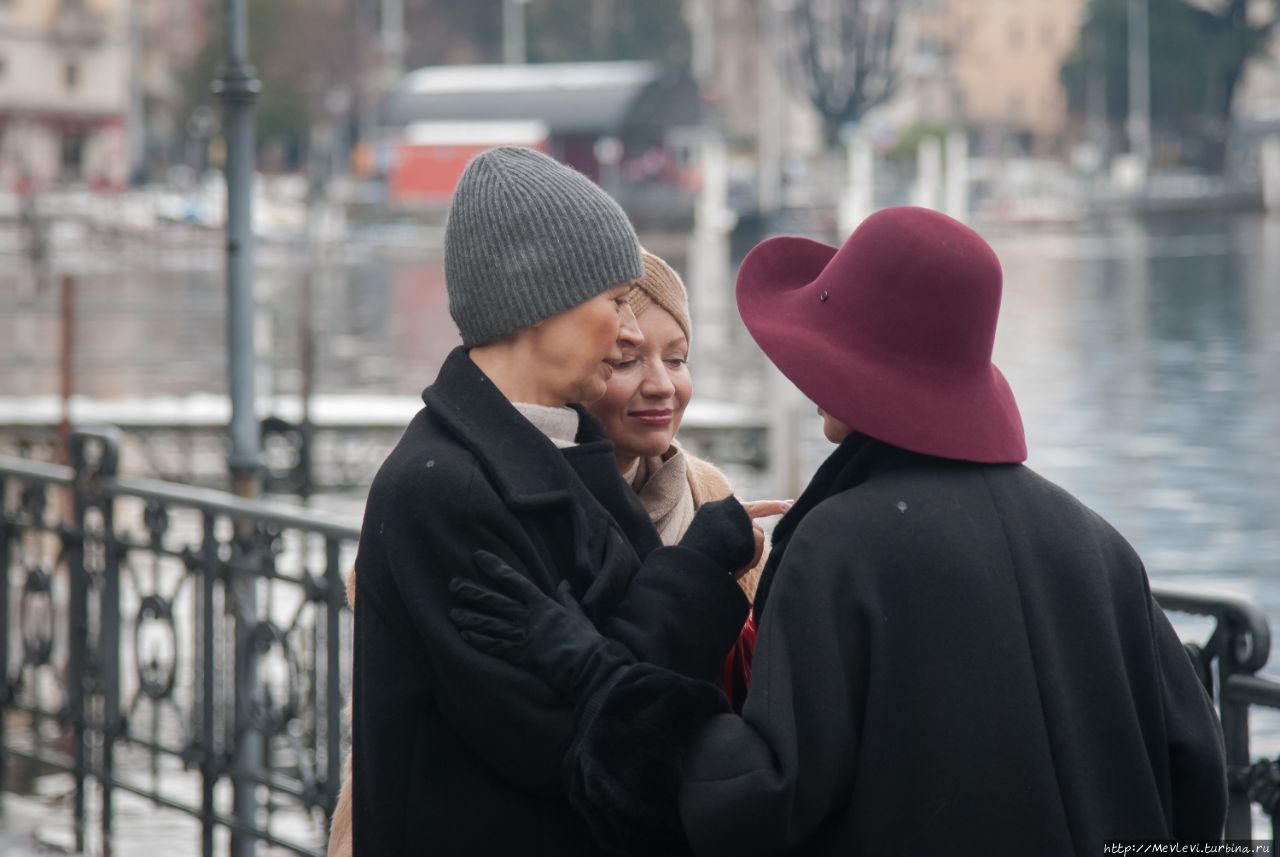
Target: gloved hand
721,531
507,616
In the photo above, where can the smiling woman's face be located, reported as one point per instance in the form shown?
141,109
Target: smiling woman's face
645,399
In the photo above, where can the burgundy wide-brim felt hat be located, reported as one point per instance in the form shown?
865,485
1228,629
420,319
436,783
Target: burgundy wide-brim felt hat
892,333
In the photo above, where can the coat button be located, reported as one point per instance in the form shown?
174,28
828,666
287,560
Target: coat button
823,297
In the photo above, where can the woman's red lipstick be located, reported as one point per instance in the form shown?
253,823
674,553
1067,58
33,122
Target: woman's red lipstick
656,418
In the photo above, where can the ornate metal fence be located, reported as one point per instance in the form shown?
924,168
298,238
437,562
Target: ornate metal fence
187,646
1228,663
179,644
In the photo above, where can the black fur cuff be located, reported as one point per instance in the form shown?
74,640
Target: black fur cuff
625,768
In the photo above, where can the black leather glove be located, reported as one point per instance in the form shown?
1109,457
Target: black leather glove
721,531
507,616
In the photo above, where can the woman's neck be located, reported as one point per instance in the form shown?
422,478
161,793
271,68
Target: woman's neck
507,366
626,462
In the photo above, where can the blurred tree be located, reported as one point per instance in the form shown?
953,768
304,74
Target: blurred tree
841,55
1199,50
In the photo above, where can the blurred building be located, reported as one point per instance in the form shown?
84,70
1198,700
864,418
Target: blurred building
1003,59
627,125
90,90
927,93
991,66
64,92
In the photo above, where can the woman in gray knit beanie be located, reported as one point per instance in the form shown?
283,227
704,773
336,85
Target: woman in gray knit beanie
450,755
537,262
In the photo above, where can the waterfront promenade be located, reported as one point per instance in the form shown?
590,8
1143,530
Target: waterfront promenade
1145,355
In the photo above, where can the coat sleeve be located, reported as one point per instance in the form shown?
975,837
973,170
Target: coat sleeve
760,783
429,529
764,782
682,612
1197,760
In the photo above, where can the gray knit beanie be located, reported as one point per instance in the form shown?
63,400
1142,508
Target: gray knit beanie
528,238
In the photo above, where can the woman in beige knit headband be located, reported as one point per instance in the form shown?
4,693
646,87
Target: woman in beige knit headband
641,410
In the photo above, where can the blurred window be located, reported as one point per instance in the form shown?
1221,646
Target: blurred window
72,152
1016,105
1015,34
71,75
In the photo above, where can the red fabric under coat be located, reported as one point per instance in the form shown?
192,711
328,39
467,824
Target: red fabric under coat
736,674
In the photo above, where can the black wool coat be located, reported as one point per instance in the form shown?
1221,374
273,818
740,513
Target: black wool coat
456,752
952,658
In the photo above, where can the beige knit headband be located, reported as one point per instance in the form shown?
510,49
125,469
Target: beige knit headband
661,285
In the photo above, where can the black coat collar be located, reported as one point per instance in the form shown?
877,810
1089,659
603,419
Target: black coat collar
854,461
524,466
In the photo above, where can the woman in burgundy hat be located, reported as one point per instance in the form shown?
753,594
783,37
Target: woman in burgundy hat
955,656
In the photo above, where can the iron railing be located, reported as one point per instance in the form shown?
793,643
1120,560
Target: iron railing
1228,663
184,645
155,632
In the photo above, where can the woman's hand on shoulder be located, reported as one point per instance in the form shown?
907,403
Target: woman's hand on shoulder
766,508
761,509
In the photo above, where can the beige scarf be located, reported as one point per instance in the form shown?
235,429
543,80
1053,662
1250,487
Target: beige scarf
662,483
672,487
560,425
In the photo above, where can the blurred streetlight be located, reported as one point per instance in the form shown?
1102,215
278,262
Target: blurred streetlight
1095,58
238,86
514,49
391,42
1139,124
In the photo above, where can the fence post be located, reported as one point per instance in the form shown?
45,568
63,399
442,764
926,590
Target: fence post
78,625
5,689
333,669
109,652
1235,729
95,456
246,766
210,768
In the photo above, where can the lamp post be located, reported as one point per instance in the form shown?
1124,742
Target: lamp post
238,87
